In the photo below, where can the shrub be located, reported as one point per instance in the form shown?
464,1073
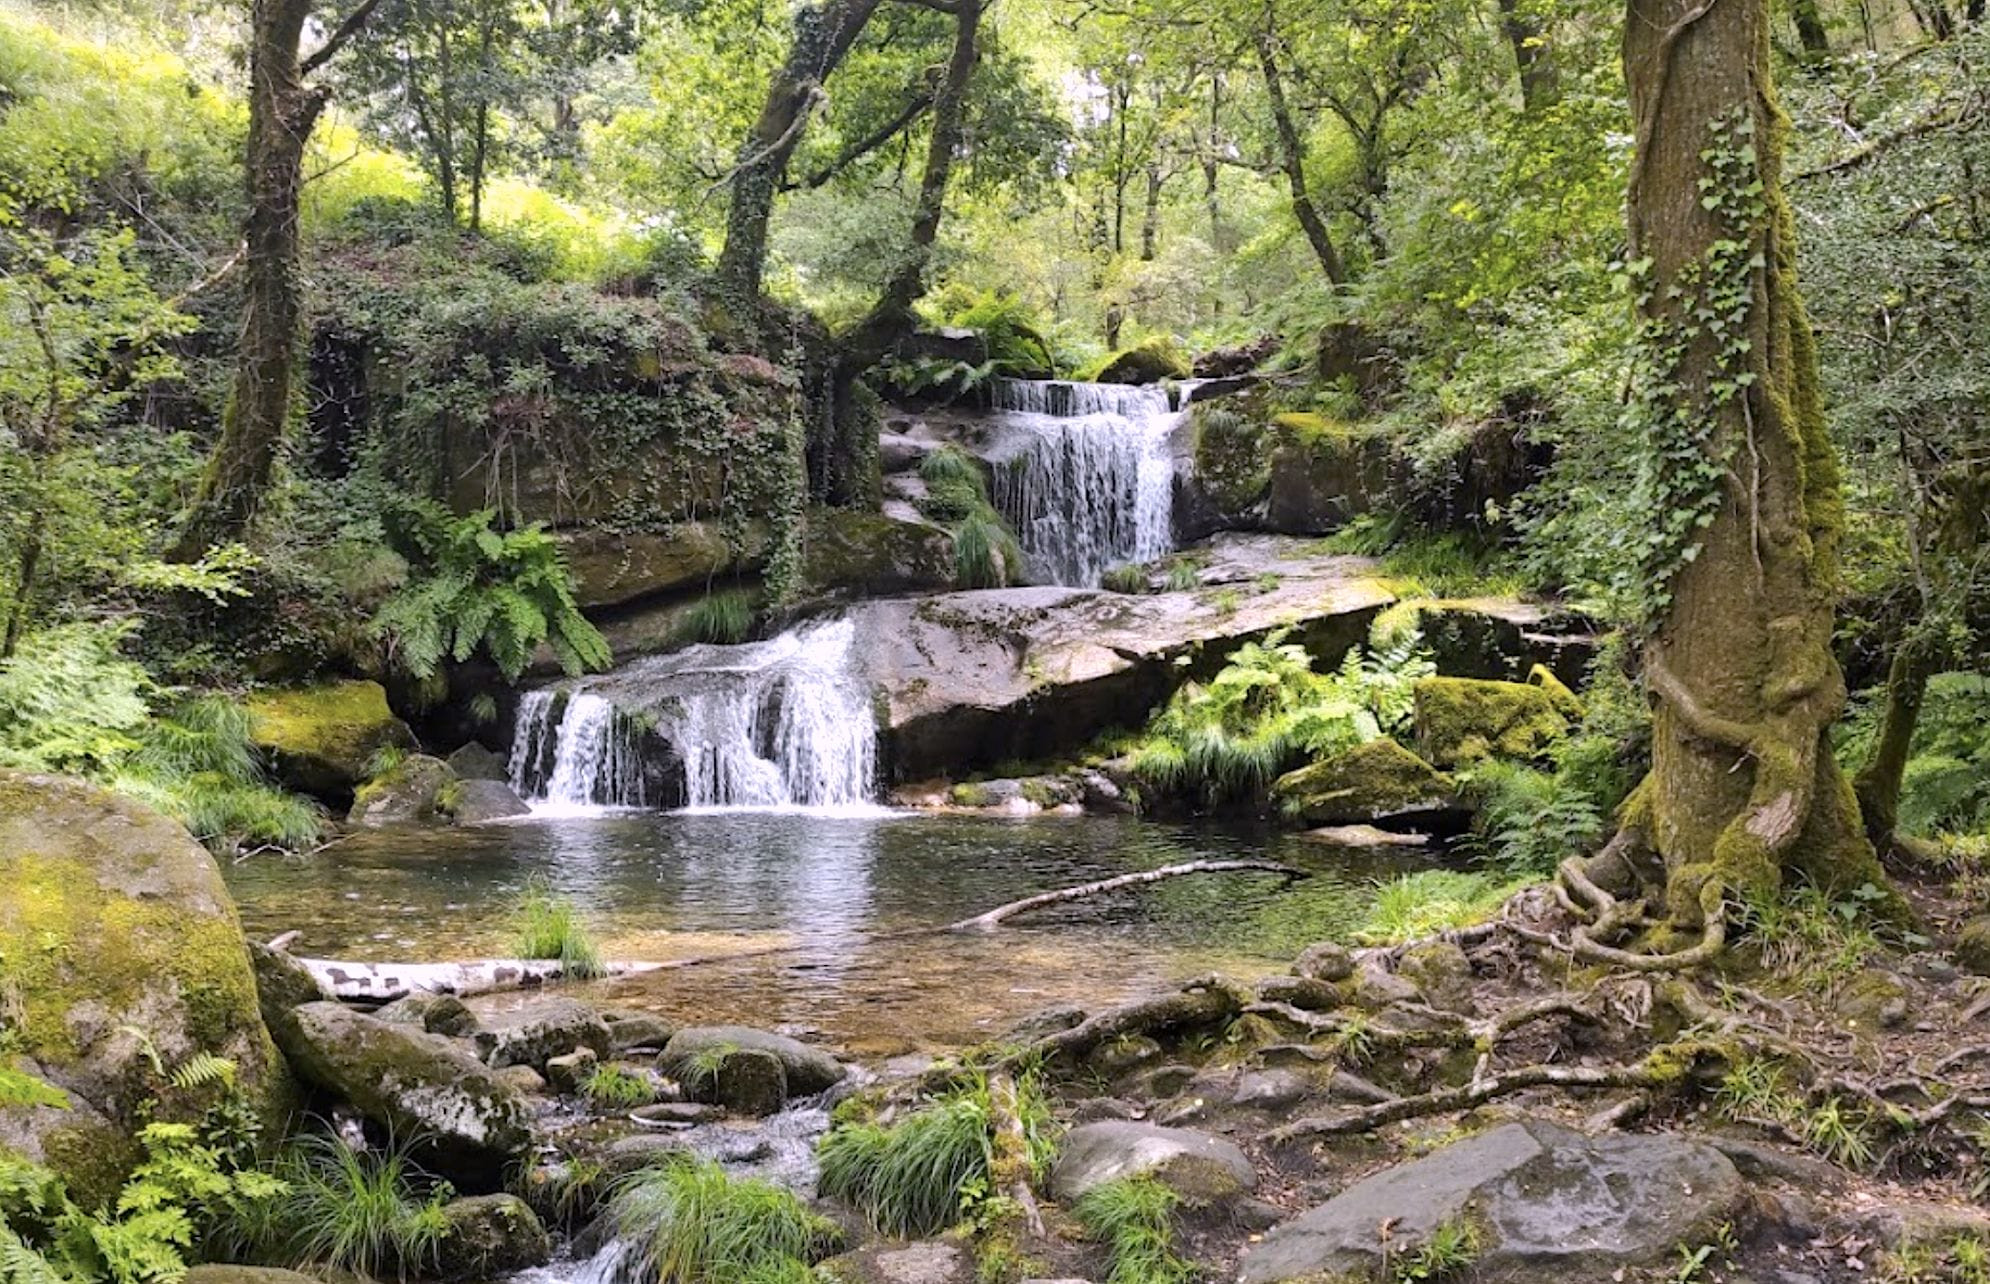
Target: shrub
1134,1218
687,1222
548,926
724,619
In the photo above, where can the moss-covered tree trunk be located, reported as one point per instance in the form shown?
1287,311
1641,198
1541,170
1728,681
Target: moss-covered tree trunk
1878,782
1744,789
283,109
1292,161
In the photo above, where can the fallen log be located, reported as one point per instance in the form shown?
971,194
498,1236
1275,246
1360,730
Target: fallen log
385,982
993,918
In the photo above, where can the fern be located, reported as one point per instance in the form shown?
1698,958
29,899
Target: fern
19,1088
203,1069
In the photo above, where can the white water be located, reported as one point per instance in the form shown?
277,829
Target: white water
784,723
1093,485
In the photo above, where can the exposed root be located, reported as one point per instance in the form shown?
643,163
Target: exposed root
993,918
1205,1001
1650,1073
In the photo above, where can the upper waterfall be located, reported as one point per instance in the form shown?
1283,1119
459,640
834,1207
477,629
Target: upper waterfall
774,724
1092,485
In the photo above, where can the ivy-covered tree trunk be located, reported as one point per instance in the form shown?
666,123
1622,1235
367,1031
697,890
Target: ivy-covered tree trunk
823,35
283,110
1744,789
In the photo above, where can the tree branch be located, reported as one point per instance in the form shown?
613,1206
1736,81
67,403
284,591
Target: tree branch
340,36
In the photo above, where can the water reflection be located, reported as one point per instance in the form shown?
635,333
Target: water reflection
831,890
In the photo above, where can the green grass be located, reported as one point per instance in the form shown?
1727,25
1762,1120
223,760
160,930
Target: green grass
613,1087
914,1177
1451,1248
373,1212
1127,578
1184,574
950,465
700,1070
985,553
688,1222
196,765
548,926
722,619
1134,1217
1433,900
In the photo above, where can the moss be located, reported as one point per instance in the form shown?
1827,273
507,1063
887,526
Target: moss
1231,461
1369,782
1566,702
1460,720
323,736
971,795
1304,428
1149,361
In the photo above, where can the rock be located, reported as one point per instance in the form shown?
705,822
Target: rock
1460,720
1546,1203
637,1030
1128,1052
1322,473
322,739
1363,836
1325,961
532,1032
1441,970
1309,994
489,1237
898,453
615,567
1374,987
1200,1168
477,802
435,1013
643,1150
1149,361
1972,946
522,1079
215,1273
745,1081
678,1114
475,762
118,942
869,553
566,1074
1236,359
1271,1089
1874,999
1380,780
467,1124
809,1070
408,793
926,1261
282,983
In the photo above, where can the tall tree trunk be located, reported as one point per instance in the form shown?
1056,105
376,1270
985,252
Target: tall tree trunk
282,112
1150,218
1744,787
1533,57
1292,159
823,35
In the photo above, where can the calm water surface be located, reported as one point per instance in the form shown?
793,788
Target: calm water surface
673,885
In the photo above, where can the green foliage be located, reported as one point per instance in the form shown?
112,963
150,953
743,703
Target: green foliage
1127,578
1804,934
1946,785
1962,1259
1012,329
724,618
195,763
1452,1248
1134,1218
687,1222
474,588
1435,900
613,1087
1759,1090
927,1171
71,700
547,925
1226,740
372,1212
18,1088
986,555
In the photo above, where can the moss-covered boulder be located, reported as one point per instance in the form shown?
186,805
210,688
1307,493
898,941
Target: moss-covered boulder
118,944
1461,720
613,568
1377,781
1149,361
322,738
870,553
490,1237
408,793
1324,472
467,1125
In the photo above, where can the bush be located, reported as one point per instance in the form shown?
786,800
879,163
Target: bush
548,926
687,1222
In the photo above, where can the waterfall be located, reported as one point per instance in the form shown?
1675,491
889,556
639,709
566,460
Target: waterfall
1092,484
781,723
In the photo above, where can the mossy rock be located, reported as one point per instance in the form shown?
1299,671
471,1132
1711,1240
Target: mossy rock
411,792
1376,781
1231,462
1324,471
322,738
1972,946
865,553
1462,720
614,568
1565,700
117,942
489,1237
1149,361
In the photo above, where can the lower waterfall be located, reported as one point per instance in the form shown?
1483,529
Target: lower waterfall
1092,486
774,724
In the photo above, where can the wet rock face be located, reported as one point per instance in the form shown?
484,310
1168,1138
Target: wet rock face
413,1084
1200,1168
746,1081
1544,1203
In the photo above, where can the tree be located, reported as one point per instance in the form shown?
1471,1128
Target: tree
283,109
1742,482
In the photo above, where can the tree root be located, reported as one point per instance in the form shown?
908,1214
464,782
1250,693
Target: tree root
1600,915
1205,1001
1650,1073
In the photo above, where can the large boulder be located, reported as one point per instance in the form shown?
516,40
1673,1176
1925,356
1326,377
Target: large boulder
120,953
467,1124
870,553
1460,720
478,802
408,793
283,984
809,1070
532,1032
1150,361
1202,1169
322,738
613,568
1324,472
1543,1202
490,1237
1373,782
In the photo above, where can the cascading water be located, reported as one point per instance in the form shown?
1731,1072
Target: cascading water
1092,485
781,723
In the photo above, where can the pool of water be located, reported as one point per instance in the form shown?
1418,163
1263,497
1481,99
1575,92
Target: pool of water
830,891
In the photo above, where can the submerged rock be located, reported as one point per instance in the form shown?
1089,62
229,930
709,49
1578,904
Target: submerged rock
477,802
121,953
322,739
1377,781
809,1070
468,1126
1543,1202
1200,1168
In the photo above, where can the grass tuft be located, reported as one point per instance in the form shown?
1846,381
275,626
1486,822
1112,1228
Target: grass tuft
722,619
1126,578
613,1087
373,1213
1431,901
547,925
985,553
1134,1217
688,1222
